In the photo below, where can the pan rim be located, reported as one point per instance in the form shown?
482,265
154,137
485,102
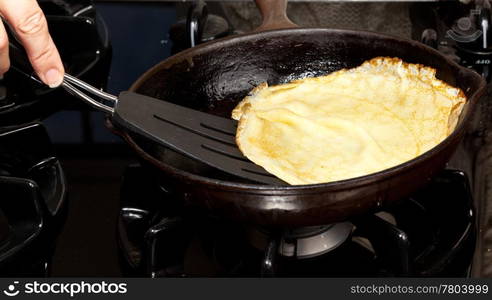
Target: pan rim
333,185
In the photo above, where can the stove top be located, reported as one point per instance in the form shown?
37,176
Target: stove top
158,237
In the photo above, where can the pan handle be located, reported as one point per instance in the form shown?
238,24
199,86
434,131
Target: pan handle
274,13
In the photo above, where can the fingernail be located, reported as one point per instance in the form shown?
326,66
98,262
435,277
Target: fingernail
53,78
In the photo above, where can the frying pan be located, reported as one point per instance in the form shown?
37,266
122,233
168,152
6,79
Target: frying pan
215,76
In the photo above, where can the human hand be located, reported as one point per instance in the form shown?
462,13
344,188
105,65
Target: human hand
29,24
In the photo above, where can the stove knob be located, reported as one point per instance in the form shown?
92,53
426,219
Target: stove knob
464,24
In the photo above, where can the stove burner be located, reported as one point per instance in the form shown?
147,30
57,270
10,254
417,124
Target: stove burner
413,238
310,242
304,242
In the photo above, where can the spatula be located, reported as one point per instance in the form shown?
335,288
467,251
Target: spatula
204,137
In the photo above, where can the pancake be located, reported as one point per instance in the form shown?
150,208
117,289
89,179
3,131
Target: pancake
349,123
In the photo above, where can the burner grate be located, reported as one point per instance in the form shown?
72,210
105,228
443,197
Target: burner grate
412,238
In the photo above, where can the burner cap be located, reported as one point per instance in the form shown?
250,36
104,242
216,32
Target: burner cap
304,242
312,241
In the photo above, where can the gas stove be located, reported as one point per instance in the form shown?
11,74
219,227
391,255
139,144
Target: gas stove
158,234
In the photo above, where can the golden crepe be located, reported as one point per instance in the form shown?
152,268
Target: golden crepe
347,124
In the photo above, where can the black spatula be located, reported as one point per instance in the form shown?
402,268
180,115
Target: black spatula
200,136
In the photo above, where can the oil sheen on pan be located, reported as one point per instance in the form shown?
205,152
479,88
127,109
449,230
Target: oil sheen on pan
349,123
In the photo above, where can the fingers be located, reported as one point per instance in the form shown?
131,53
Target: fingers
29,23
4,51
